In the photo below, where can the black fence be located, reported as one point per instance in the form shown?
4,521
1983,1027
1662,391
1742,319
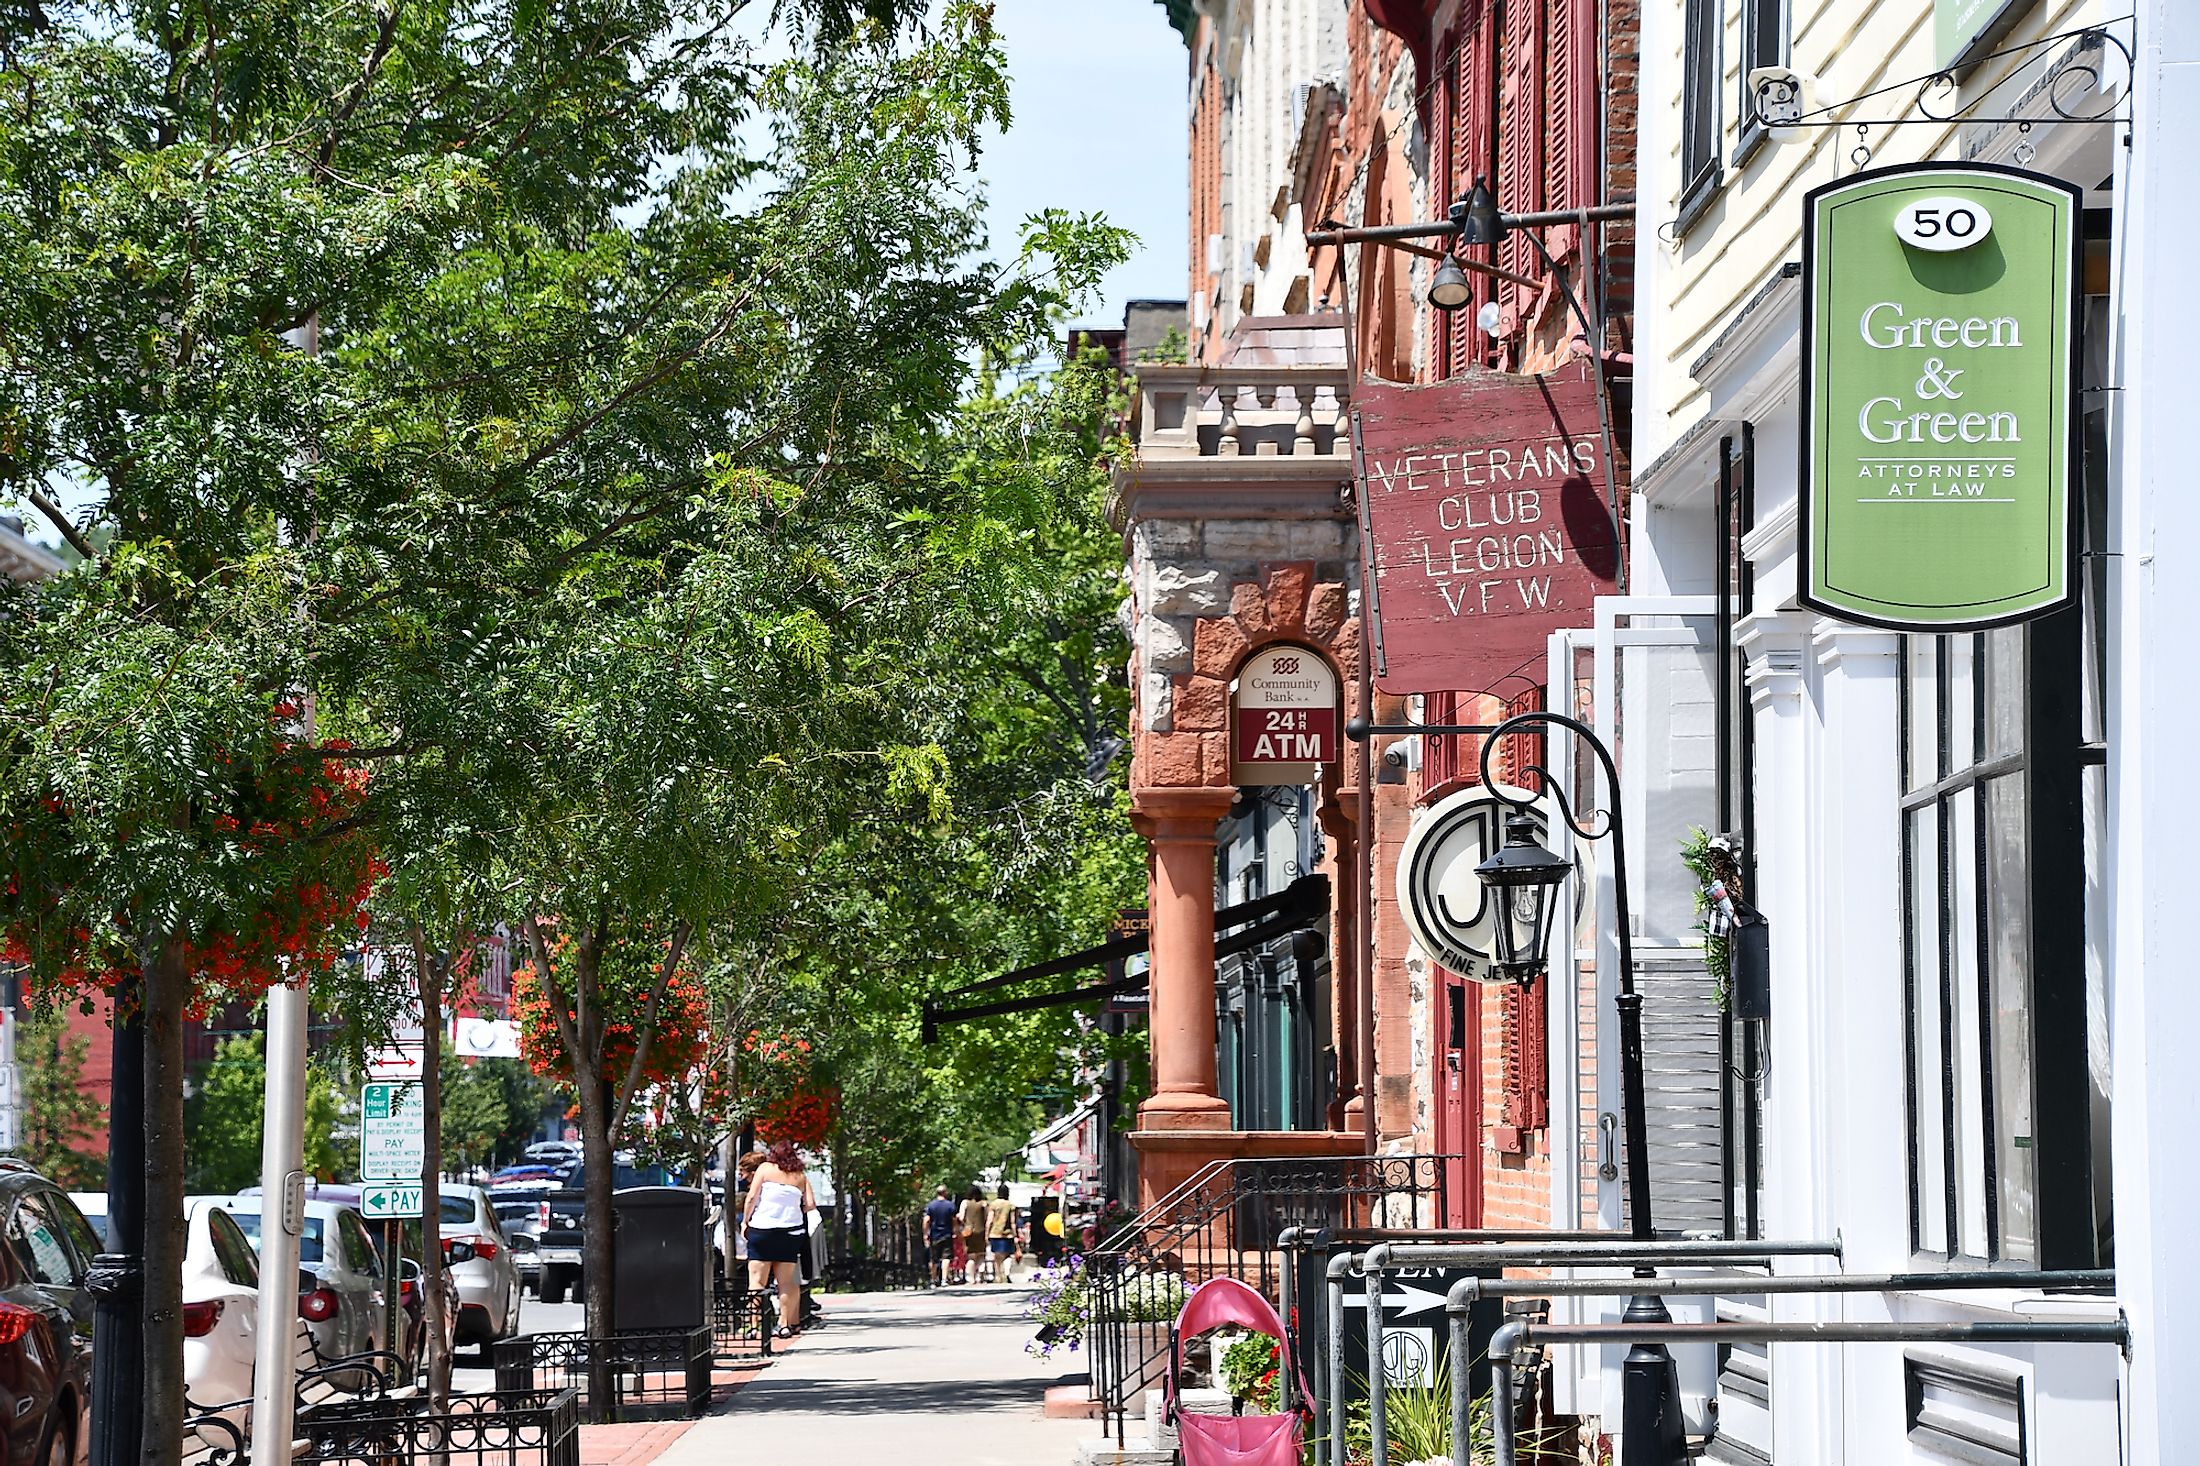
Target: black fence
505,1428
1224,1222
643,1375
741,1324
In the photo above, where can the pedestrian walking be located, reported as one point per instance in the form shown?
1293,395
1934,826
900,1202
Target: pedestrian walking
1000,1234
971,1220
777,1225
939,1235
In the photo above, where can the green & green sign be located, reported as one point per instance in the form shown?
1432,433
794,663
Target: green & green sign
1939,347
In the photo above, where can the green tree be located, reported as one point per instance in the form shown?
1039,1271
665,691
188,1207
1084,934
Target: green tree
477,1112
61,1122
227,1114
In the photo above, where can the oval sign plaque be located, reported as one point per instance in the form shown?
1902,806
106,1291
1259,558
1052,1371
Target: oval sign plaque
1943,223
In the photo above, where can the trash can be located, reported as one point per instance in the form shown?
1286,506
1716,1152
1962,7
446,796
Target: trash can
660,1259
1046,1245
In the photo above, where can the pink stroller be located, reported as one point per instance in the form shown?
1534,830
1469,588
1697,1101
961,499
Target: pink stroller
1229,1440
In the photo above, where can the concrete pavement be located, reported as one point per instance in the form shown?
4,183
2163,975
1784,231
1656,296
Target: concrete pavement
898,1379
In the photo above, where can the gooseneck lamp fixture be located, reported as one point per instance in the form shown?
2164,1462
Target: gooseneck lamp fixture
1524,878
1449,290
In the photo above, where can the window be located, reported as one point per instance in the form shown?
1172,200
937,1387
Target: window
36,1237
1764,43
240,1265
1699,107
310,1247
457,1210
1994,862
360,1254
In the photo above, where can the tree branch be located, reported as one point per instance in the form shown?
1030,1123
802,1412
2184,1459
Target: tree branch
646,1031
553,999
60,521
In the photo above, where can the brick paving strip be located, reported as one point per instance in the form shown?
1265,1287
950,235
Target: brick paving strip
642,1442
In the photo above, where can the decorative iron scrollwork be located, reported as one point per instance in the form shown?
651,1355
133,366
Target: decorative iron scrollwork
2089,85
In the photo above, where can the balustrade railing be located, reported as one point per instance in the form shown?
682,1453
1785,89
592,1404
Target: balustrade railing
1246,411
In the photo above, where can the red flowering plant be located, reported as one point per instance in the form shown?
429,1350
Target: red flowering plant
628,971
289,865
782,1093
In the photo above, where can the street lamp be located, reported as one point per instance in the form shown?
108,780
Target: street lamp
1524,878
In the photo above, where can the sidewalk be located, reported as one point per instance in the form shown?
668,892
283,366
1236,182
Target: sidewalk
898,1379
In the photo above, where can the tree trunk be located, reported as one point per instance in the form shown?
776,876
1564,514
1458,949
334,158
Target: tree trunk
596,1251
165,995
431,965
598,1177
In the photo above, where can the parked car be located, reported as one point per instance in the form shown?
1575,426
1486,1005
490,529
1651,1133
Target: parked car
482,1266
522,1212
416,1322
345,1307
554,1152
45,1321
221,1311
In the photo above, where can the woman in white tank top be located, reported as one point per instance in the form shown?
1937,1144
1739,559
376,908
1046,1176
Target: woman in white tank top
777,1222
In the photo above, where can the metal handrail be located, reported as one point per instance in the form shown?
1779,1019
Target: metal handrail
1520,1333
1460,1300
1197,1231
1618,1252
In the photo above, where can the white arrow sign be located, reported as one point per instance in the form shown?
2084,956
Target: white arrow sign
1404,1300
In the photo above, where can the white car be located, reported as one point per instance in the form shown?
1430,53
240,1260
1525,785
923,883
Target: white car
344,1308
221,1315
488,1280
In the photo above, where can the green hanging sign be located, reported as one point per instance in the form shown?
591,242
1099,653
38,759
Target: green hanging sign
1940,325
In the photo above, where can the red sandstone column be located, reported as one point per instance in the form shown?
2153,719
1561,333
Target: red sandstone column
1180,825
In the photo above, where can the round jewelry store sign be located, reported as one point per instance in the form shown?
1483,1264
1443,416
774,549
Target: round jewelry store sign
1940,325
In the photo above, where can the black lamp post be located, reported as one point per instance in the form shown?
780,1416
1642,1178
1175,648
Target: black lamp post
1526,878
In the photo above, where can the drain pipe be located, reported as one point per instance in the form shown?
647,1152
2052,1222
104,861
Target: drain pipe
1519,1333
1340,1267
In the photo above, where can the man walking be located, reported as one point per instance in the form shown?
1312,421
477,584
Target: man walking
939,1236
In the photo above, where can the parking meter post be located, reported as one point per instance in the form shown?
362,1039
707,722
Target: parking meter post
393,1300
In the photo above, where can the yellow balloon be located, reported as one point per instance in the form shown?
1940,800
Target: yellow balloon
1053,1223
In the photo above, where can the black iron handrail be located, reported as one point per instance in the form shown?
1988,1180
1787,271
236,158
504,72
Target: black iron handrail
1230,1219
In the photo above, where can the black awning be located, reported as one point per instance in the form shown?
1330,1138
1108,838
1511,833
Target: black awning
1298,906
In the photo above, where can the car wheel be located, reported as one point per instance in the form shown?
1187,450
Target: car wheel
58,1448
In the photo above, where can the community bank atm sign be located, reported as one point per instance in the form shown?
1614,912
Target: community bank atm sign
1940,339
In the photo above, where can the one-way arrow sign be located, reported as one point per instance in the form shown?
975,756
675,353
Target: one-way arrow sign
1400,1299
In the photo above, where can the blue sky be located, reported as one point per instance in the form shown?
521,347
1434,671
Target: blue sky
1099,125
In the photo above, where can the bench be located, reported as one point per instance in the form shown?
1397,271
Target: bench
220,1435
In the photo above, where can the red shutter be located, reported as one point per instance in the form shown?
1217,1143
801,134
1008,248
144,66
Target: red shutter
1474,155
1520,142
1443,112
1526,1102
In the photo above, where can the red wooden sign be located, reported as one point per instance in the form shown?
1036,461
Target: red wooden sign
1486,525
